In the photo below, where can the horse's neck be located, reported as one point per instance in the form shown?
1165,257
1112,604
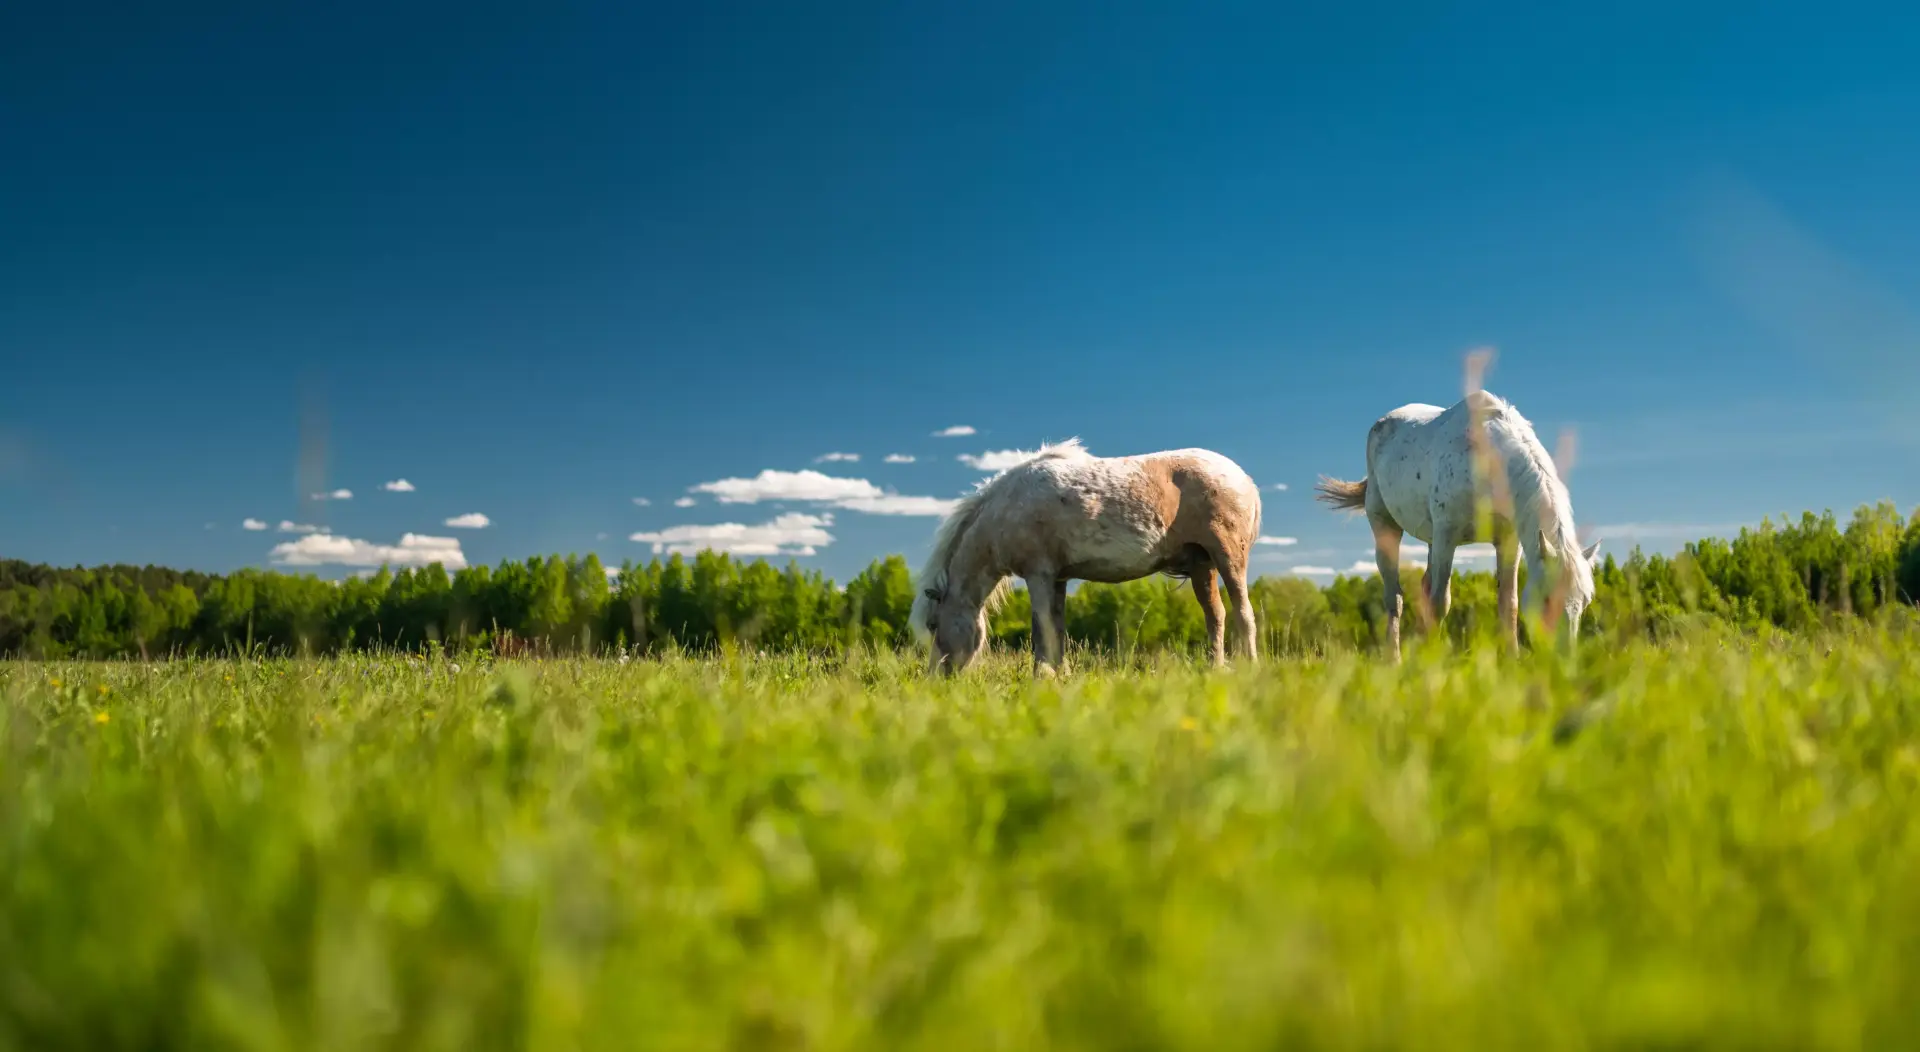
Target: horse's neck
971,575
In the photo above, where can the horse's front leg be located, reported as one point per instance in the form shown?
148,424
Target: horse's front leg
1040,596
1060,623
1506,574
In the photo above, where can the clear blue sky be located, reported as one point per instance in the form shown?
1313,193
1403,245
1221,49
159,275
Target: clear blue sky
543,262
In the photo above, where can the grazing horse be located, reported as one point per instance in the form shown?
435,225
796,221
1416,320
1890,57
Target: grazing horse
1066,514
1421,479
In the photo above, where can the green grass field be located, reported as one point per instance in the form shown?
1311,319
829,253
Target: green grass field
761,853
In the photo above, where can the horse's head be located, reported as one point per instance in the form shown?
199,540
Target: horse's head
958,630
1570,584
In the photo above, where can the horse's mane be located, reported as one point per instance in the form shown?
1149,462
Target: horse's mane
947,538
1540,499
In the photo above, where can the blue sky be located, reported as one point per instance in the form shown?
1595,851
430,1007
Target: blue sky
542,262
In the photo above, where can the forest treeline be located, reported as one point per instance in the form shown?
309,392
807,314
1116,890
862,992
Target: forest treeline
1788,576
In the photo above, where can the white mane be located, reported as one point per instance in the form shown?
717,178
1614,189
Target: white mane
1541,504
934,573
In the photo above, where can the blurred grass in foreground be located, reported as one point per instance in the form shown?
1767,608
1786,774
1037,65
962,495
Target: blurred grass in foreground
777,853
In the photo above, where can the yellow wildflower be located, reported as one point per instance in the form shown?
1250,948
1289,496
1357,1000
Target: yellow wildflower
53,682
101,717
1187,724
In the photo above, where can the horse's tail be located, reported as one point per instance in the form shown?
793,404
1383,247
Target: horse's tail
1342,496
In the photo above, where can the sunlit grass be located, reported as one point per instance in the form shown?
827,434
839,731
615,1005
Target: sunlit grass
766,852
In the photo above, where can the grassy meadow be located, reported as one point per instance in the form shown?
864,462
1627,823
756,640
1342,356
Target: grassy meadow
790,853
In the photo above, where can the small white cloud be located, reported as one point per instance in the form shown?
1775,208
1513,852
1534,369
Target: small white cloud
685,502
837,458
787,485
790,534
1277,540
1281,486
289,526
612,572
997,460
322,549
472,520
398,486
599,536
643,502
339,494
896,504
898,458
956,431
252,524
1314,571
1668,531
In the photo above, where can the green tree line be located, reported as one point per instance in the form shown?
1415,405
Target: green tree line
1790,575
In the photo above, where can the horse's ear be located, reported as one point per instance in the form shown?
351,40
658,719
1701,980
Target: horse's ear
1592,551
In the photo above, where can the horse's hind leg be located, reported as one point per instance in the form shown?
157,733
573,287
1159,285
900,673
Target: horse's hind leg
1208,592
1386,556
1233,577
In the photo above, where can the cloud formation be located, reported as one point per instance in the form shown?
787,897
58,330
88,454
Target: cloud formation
398,486
289,526
791,534
339,494
815,488
252,524
643,502
997,460
1668,531
685,502
1313,571
956,431
787,485
414,550
472,520
897,504
837,458
898,458
1281,486
1277,540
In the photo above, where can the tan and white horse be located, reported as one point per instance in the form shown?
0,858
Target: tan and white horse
1067,515
1421,479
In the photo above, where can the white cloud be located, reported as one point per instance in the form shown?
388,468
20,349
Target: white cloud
837,458
956,431
899,458
398,486
1281,486
643,502
790,534
1417,553
1668,531
896,504
1314,571
997,460
322,549
787,485
472,520
599,536
339,494
289,526
685,502
1277,540
611,571
252,524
